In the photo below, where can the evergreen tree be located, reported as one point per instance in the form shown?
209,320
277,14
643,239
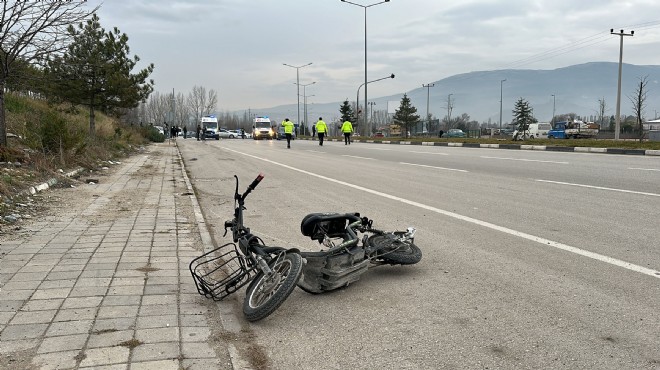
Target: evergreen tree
96,71
29,31
347,114
406,116
522,113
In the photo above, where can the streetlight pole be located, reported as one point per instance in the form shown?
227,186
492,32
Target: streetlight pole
367,132
618,94
298,83
304,94
428,91
501,82
365,53
449,107
552,121
305,109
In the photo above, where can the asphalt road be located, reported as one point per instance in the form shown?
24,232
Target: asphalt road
532,259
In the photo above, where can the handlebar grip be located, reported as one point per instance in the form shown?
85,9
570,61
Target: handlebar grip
256,181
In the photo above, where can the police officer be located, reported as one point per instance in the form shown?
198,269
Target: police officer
347,129
321,130
288,131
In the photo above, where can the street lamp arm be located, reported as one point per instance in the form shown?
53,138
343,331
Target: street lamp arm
365,6
289,65
357,100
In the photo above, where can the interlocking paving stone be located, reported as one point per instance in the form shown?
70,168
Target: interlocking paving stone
94,289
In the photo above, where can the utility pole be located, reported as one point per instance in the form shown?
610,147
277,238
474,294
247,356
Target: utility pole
427,120
618,94
371,104
552,121
501,82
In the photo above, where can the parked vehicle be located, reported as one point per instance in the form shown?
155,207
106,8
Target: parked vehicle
573,130
161,129
454,132
534,131
273,272
262,128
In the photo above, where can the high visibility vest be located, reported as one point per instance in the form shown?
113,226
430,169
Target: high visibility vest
347,127
321,127
288,127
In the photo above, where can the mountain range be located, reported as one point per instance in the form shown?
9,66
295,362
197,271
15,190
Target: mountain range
576,89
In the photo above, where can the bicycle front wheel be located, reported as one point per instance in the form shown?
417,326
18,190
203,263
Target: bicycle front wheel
266,293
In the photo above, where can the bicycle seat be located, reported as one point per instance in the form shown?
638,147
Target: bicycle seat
316,225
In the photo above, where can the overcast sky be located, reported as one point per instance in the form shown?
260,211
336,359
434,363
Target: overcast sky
237,47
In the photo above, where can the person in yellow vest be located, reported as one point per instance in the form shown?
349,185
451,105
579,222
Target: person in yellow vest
347,129
288,131
321,130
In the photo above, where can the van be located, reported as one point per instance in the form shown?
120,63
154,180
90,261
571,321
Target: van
535,131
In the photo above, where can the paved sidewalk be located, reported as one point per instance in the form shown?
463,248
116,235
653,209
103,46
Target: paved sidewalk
105,283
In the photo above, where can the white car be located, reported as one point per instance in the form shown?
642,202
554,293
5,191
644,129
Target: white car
226,134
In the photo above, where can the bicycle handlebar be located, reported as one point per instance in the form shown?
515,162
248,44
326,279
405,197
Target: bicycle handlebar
250,187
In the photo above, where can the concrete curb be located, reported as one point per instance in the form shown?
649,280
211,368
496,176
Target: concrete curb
49,183
227,317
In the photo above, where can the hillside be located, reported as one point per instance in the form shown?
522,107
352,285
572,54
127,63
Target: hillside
577,89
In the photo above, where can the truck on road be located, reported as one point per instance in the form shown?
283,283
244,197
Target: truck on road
573,130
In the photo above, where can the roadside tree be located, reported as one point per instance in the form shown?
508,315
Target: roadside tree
523,116
639,103
406,116
201,103
31,30
347,114
95,71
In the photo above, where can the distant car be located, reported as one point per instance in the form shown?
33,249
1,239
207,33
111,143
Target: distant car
454,132
378,134
507,131
160,129
282,136
226,134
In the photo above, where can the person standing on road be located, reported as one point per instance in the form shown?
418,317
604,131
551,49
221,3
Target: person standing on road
185,131
313,132
347,129
199,131
321,129
288,131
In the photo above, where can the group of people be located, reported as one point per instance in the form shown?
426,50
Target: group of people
320,129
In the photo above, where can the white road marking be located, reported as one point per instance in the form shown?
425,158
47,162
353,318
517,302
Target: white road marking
428,153
437,168
377,149
600,188
539,240
522,159
644,169
355,156
315,151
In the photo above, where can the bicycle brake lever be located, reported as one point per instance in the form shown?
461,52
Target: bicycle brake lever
227,225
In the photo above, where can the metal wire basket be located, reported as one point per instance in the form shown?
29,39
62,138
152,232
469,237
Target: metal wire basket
221,272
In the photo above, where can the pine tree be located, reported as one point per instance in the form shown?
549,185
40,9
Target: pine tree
96,71
347,114
406,116
523,116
